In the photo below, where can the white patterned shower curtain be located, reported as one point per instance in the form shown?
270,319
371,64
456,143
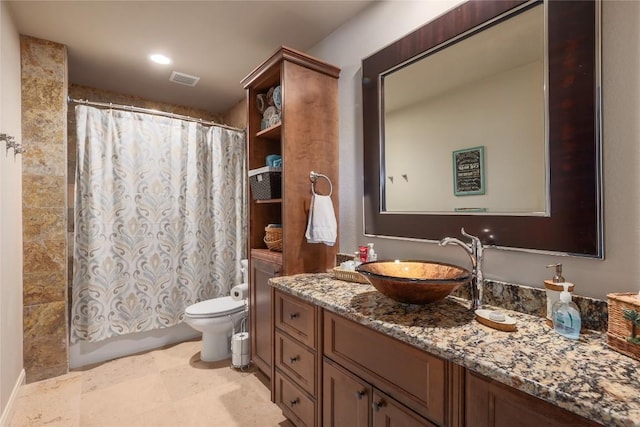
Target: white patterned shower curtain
159,220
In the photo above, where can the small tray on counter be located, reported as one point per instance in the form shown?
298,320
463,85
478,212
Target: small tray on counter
348,275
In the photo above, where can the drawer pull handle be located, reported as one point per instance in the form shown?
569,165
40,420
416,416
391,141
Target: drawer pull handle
294,402
378,405
294,359
360,394
293,315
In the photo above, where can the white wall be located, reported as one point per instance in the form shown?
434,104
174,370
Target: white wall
503,113
383,23
11,373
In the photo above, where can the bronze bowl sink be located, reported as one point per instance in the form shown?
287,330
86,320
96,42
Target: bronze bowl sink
414,282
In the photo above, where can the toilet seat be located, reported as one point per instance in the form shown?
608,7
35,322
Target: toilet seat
215,307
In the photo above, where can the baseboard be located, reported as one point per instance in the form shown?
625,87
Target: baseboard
7,413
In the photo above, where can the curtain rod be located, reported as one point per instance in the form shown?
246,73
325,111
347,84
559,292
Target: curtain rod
149,111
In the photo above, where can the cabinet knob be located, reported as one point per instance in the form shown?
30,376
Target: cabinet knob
377,405
293,315
360,394
294,402
294,359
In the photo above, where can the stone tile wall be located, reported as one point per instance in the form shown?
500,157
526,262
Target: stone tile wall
48,134
44,130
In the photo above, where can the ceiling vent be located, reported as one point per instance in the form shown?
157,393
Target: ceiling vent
184,79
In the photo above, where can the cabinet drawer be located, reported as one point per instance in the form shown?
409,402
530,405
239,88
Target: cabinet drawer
415,378
297,361
297,318
294,402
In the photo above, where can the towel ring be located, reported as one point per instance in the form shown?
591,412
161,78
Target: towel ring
313,177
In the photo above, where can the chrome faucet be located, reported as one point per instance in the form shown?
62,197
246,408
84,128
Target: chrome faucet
474,250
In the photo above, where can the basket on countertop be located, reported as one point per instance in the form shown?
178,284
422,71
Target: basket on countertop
349,275
623,335
273,237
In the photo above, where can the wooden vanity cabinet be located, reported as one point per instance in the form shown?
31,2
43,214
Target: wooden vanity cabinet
405,386
349,401
263,265
297,359
489,403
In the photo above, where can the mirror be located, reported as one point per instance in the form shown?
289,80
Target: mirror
500,100
562,214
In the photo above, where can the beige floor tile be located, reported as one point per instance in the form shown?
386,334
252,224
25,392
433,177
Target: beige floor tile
251,406
177,355
186,380
116,371
205,408
53,402
170,387
165,416
119,403
244,402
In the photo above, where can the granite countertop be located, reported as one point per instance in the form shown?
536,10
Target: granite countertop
583,376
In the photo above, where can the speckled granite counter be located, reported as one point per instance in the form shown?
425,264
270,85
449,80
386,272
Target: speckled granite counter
583,376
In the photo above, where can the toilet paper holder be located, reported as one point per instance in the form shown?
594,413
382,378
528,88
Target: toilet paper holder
240,357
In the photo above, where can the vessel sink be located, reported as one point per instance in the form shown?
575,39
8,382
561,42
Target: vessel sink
414,282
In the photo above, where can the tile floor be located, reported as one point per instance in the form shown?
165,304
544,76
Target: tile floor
169,387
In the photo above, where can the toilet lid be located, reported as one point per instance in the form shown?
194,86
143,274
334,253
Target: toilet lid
215,307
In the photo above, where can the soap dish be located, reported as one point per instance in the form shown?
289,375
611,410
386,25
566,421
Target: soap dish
496,320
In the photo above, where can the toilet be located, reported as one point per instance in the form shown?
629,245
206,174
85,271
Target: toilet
217,319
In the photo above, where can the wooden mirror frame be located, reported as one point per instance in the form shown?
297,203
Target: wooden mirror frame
575,223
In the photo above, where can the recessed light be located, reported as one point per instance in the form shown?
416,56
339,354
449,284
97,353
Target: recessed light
160,59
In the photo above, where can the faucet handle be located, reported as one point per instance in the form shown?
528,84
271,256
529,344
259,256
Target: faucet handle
475,239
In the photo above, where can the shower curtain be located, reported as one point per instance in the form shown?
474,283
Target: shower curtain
159,220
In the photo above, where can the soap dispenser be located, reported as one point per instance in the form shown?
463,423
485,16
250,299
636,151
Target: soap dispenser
371,253
553,287
566,316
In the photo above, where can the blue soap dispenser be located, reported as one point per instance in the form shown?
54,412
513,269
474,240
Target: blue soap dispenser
566,316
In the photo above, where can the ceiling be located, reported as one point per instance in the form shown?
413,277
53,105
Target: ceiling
108,42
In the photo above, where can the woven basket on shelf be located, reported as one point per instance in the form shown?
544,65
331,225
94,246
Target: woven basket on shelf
620,329
273,238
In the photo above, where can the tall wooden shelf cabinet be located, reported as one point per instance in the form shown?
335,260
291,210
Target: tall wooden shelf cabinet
307,140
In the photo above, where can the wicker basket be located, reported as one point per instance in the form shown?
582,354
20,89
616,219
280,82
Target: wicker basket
349,275
273,238
620,329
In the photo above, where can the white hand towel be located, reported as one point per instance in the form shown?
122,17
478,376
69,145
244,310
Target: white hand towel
322,226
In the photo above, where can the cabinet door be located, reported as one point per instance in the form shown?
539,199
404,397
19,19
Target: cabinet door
491,404
346,399
260,305
387,412
413,377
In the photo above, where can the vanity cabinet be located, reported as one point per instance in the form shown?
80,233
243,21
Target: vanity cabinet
307,140
297,384
263,265
401,384
350,401
492,404
331,371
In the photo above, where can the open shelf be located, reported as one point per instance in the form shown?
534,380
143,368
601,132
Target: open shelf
272,132
269,201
